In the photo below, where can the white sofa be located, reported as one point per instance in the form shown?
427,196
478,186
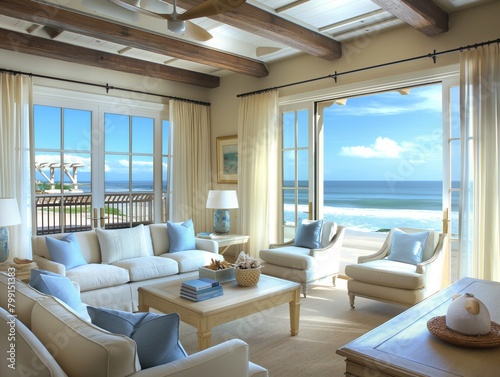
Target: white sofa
41,336
105,282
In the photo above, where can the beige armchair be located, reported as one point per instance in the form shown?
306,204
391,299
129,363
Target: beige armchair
305,265
383,277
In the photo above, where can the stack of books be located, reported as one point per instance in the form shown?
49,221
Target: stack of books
201,289
210,236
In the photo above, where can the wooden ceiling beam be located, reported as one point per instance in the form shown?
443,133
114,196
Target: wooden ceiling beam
30,44
270,26
423,15
61,18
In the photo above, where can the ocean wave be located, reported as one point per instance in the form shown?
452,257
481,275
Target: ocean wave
373,219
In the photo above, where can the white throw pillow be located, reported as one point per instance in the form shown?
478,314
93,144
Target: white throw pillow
118,244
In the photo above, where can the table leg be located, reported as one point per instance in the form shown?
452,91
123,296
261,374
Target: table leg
295,313
142,307
224,250
204,335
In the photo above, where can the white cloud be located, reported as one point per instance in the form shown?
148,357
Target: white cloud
382,148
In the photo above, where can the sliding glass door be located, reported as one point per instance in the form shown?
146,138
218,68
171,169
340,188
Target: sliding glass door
374,161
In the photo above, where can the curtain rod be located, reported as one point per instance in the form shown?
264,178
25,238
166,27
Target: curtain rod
107,87
337,74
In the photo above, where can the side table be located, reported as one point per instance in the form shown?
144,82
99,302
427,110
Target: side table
226,241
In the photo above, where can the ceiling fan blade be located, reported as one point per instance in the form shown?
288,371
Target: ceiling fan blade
110,9
136,6
261,51
210,8
155,6
191,30
196,32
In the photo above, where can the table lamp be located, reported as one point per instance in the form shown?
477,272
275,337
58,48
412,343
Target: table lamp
9,215
221,201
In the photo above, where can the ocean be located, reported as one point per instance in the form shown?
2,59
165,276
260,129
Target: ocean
359,205
375,205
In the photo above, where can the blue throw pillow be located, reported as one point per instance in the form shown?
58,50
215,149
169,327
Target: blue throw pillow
308,234
181,236
66,251
60,287
156,335
407,247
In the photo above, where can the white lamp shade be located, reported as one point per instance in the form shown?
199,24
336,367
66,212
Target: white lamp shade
9,212
222,199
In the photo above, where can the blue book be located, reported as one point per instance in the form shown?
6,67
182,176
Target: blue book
200,292
200,284
203,296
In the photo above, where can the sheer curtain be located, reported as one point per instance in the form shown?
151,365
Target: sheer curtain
16,113
480,220
190,173
258,168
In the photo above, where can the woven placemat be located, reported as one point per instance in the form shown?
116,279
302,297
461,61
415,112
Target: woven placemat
437,326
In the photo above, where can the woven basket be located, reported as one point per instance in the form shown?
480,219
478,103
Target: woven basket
247,277
437,327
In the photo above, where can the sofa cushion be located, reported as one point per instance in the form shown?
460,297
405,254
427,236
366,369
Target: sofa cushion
181,236
289,256
26,296
148,267
96,275
66,251
308,234
159,237
79,347
30,357
192,260
89,245
407,247
328,232
386,272
58,286
118,244
156,335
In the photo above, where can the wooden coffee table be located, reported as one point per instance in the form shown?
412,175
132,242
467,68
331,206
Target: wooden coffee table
404,347
237,302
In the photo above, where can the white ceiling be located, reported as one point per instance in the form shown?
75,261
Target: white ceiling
341,20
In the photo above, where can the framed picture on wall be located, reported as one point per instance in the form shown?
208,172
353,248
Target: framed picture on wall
227,159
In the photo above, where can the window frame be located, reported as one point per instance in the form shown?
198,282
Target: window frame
100,104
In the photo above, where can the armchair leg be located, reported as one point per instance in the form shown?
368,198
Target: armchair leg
351,300
334,280
304,290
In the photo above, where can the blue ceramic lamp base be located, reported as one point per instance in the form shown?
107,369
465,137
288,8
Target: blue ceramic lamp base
222,221
4,244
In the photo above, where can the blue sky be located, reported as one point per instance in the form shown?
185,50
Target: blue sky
385,136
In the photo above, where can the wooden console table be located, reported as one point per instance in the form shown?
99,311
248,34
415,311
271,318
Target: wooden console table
404,347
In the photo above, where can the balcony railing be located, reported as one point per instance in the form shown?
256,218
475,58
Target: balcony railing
73,213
